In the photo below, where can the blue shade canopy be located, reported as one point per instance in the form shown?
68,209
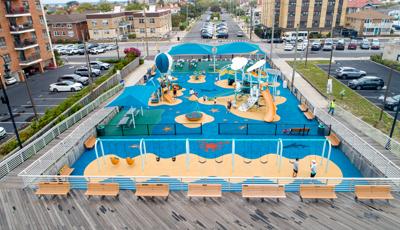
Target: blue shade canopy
190,49
134,96
163,62
239,48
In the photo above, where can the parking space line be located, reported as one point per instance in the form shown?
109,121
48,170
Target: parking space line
40,105
29,113
49,98
17,122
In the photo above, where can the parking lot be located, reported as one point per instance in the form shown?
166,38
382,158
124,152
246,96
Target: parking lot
372,69
42,97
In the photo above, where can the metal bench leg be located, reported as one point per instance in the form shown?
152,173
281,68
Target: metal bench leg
88,197
117,196
166,199
262,199
277,199
248,199
102,197
301,199
356,198
204,199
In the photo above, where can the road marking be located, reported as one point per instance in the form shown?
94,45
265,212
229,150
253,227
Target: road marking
17,122
29,113
39,105
50,98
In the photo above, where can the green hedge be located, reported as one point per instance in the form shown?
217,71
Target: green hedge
53,113
389,63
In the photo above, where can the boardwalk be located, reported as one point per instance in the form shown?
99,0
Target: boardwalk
21,209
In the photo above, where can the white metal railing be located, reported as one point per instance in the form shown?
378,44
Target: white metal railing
34,147
377,159
229,184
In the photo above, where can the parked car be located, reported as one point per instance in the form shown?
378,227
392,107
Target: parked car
10,80
391,102
352,45
222,35
101,65
365,44
240,34
301,47
316,45
91,45
276,40
288,47
375,45
65,86
340,44
74,78
3,133
206,35
96,50
367,82
328,45
349,72
84,71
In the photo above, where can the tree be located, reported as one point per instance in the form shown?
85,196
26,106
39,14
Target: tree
135,6
85,7
104,6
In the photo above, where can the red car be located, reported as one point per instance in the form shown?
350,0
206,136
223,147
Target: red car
352,45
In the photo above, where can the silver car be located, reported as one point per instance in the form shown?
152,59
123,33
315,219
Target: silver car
349,72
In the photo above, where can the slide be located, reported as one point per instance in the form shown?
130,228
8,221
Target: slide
270,106
248,104
168,98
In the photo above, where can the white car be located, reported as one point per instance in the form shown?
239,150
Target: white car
301,47
100,65
65,86
288,47
96,50
3,133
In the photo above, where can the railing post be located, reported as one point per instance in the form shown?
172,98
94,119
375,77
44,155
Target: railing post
219,126
247,128
276,129
148,130
201,128
175,129
330,129
122,130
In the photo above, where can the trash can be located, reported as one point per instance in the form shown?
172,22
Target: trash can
321,130
101,130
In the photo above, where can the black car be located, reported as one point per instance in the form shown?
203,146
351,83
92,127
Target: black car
316,46
222,35
276,40
340,45
391,102
367,82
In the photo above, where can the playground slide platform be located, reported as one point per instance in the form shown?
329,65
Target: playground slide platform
168,98
270,111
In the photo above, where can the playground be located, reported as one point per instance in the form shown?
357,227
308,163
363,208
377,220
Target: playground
212,111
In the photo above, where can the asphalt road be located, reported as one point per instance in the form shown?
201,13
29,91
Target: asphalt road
194,34
373,69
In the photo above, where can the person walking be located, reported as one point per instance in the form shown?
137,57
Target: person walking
313,168
228,106
332,106
175,92
295,167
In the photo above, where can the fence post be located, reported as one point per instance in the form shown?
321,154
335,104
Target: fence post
122,130
247,128
219,126
276,129
175,129
330,129
304,128
148,130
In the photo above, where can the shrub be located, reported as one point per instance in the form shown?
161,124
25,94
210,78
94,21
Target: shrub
132,50
141,61
131,36
182,27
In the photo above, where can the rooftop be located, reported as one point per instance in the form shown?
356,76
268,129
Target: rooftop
369,14
362,3
65,18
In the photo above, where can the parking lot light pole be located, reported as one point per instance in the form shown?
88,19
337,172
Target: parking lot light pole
308,45
28,89
295,56
7,102
330,58
386,92
387,146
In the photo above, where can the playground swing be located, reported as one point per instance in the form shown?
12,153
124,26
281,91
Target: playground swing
265,160
219,159
245,160
201,160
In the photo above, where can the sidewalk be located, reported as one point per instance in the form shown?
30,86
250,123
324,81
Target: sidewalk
254,37
135,76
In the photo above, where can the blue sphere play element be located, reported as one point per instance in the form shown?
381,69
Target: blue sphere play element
163,62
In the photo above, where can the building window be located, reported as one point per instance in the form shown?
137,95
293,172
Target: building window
48,47
107,32
142,30
95,32
141,20
56,33
7,58
105,22
44,33
152,30
152,20
41,19
38,6
94,23
69,25
63,33
130,18
2,42
367,20
71,33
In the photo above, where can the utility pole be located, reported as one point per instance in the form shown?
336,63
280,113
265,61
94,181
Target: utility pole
386,92
330,59
116,43
273,29
295,55
5,100
251,20
308,43
387,146
145,30
28,89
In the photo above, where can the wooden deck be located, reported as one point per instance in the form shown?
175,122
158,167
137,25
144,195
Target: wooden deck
21,209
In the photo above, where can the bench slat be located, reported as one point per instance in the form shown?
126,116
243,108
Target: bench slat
263,191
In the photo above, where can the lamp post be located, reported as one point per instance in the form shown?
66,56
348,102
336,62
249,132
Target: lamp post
387,146
295,56
5,100
28,89
386,92
331,56
145,31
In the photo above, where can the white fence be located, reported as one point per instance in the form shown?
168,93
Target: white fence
229,184
34,147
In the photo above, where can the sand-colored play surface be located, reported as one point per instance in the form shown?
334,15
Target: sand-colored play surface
181,119
191,165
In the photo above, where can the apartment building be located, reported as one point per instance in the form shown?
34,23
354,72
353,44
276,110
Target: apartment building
157,22
369,23
313,15
67,27
107,25
24,40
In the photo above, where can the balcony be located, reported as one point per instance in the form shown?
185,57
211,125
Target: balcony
20,11
20,29
33,59
26,44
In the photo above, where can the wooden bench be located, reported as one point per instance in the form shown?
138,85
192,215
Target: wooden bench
373,192
53,188
65,171
335,141
317,192
102,189
152,190
263,191
309,115
90,142
204,190
299,131
303,107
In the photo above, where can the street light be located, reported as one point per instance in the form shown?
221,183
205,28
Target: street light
387,146
295,56
5,100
